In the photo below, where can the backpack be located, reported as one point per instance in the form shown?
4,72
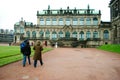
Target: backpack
22,46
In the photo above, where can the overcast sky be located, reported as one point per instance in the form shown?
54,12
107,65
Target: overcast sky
11,11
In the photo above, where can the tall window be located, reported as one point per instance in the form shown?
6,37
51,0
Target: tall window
74,34
67,35
88,21
42,22
67,21
75,21
28,34
61,21
106,34
2,31
54,21
33,34
95,21
60,34
54,35
81,21
81,35
88,35
41,34
6,31
21,30
95,34
47,34
48,22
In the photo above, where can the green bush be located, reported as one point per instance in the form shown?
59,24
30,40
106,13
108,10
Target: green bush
74,44
60,44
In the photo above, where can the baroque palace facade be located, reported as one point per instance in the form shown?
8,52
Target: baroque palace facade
115,20
54,24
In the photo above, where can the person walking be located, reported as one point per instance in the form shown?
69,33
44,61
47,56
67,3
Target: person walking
26,51
37,53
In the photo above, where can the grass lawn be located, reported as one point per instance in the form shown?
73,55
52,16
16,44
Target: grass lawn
6,51
111,48
9,54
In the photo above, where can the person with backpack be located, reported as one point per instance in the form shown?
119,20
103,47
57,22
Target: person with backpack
26,51
37,53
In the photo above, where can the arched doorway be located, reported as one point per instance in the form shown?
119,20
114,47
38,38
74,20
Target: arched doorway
67,35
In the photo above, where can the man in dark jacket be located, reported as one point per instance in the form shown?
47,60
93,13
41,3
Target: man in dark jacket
26,52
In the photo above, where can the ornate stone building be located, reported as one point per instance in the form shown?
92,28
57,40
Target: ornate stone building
55,24
115,20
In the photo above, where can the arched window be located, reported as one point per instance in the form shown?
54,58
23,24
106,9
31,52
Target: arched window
42,22
95,34
2,31
81,21
6,31
75,21
81,35
95,21
48,22
88,35
67,21
47,34
67,35
41,34
33,34
28,34
106,34
61,21
21,30
54,21
54,35
60,34
88,21
74,34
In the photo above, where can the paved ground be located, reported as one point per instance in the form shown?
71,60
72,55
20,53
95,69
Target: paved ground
67,64
4,44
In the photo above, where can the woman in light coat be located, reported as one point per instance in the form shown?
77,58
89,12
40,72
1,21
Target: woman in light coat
37,53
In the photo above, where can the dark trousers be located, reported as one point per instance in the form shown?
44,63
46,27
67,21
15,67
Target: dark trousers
24,59
35,63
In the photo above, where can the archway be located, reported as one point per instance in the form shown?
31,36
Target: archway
67,35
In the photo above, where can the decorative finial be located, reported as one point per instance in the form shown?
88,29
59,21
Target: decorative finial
48,7
99,11
68,7
21,18
88,6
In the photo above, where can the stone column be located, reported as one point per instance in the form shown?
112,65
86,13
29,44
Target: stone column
110,35
50,35
45,21
64,21
84,34
91,21
77,35
91,31
38,21
101,34
78,22
37,34
84,21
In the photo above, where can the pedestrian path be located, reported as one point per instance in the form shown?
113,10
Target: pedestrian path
67,64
